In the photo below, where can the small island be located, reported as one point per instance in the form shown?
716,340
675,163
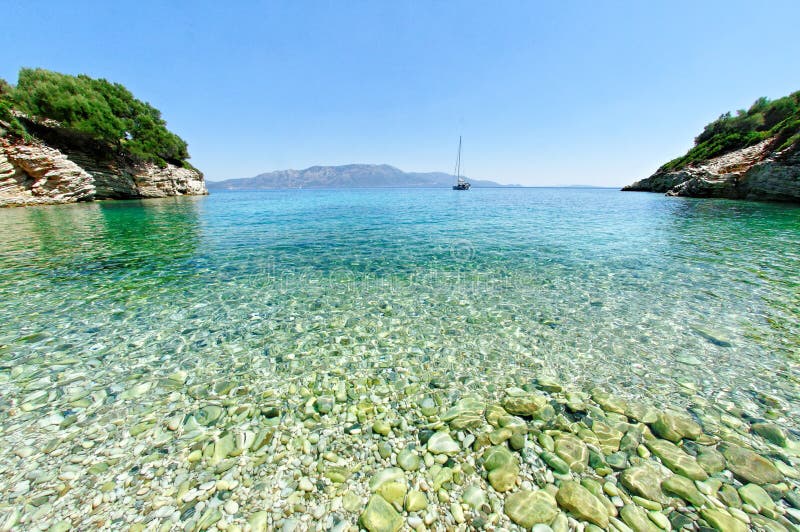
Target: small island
752,155
65,139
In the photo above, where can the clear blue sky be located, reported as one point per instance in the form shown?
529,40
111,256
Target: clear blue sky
544,93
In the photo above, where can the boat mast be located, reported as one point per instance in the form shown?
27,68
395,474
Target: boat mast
458,160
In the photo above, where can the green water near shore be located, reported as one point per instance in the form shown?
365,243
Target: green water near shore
638,291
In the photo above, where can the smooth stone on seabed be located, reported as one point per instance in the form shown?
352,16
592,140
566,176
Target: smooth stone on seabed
258,521
683,488
504,478
208,415
392,474
381,427
428,406
465,414
324,404
573,451
380,516
581,503
641,412
608,437
676,459
408,460
645,480
749,466
442,443
529,405
756,496
474,497
415,501
770,432
711,460
608,401
556,464
394,493
637,518
496,457
674,426
527,508
722,521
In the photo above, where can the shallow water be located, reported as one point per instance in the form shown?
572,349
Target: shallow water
638,291
662,299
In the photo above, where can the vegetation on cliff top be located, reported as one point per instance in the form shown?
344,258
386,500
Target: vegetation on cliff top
104,110
765,119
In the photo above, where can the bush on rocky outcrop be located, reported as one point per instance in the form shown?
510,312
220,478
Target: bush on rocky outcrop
8,122
765,119
106,111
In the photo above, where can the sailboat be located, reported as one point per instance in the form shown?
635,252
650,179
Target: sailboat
461,184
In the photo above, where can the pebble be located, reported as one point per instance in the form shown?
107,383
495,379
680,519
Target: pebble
416,455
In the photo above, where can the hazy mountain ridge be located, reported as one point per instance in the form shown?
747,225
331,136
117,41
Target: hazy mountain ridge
345,176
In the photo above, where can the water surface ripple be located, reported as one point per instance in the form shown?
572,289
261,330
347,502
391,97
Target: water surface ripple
660,299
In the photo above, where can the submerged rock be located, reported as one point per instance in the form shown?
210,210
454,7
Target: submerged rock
637,518
528,508
678,461
756,496
442,443
408,460
474,497
466,414
580,502
573,451
502,467
645,480
749,466
771,433
529,405
722,521
685,489
674,427
380,516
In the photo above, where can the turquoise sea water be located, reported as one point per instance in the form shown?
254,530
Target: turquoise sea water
136,334
648,295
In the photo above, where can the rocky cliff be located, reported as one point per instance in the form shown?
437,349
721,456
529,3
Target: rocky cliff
62,166
756,173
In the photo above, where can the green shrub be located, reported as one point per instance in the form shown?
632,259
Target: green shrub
764,119
106,111
11,125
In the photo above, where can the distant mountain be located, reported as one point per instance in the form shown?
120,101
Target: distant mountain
347,176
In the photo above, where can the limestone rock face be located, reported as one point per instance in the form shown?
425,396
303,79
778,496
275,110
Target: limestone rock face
36,173
754,173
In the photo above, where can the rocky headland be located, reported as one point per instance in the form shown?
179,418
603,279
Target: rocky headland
756,172
753,155
68,168
66,139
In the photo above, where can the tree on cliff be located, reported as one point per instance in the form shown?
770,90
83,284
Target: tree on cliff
106,111
765,119
8,122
